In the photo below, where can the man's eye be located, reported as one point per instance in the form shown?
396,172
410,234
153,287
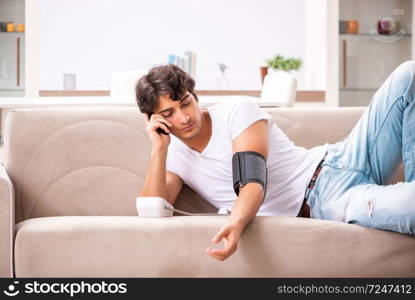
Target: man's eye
168,115
186,104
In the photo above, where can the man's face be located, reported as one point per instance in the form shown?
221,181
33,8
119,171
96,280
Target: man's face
184,115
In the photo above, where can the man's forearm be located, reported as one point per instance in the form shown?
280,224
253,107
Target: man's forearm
247,205
155,182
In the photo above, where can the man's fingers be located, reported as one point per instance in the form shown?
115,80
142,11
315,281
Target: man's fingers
223,232
220,254
218,237
156,117
161,120
156,124
217,253
230,248
160,125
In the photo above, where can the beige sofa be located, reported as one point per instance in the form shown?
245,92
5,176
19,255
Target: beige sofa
67,208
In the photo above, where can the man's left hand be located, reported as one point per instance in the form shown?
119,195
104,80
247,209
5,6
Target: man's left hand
231,234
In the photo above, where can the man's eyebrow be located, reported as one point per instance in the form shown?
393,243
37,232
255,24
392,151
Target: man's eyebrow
170,108
164,110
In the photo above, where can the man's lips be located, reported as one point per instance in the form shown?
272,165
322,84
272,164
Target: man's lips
188,127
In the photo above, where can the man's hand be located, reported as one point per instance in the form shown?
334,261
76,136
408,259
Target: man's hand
159,141
231,233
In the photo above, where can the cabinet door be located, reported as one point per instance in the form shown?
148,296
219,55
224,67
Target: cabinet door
11,62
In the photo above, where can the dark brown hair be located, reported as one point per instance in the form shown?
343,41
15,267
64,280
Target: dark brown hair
162,80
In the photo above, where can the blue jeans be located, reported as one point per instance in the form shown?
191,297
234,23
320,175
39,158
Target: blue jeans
353,184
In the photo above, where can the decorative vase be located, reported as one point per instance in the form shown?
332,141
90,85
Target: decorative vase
352,27
222,81
10,27
388,26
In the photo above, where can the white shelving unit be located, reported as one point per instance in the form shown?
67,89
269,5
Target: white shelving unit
12,50
361,62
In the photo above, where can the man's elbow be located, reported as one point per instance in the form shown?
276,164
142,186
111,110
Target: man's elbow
252,189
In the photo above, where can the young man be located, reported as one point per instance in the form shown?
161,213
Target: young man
223,152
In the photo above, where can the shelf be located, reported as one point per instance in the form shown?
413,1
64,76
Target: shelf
383,38
5,32
12,90
356,89
370,34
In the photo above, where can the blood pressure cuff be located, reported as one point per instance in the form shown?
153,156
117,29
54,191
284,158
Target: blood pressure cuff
248,166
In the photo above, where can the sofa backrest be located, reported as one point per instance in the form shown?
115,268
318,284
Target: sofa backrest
309,127
93,160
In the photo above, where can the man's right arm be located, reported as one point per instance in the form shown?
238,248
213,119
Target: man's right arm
159,182
174,185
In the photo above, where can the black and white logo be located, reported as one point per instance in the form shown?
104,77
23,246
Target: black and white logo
12,291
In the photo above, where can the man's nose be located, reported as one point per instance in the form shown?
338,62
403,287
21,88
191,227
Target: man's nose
184,118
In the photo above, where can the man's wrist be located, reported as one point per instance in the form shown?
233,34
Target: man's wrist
159,151
238,223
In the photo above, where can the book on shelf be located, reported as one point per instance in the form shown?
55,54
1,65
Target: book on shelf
187,62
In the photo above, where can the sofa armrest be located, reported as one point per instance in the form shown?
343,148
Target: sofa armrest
6,224
130,246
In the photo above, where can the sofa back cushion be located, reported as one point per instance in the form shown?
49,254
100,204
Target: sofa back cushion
93,160
75,161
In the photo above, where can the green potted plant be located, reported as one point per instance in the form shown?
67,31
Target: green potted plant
285,64
279,84
279,63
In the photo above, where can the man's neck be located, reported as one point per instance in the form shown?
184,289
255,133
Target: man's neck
200,142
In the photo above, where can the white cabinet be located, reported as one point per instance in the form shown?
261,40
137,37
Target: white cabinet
366,56
12,49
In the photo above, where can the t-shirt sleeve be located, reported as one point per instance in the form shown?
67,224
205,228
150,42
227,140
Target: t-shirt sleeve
243,114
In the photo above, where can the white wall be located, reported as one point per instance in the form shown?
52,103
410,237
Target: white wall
32,48
332,52
315,62
95,38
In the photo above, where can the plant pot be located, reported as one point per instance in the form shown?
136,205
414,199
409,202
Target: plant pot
279,88
264,72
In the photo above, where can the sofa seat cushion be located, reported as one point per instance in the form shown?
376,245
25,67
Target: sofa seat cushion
101,246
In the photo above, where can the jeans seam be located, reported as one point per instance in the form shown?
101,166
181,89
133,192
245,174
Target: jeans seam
405,94
377,135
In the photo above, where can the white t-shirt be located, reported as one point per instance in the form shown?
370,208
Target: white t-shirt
209,173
